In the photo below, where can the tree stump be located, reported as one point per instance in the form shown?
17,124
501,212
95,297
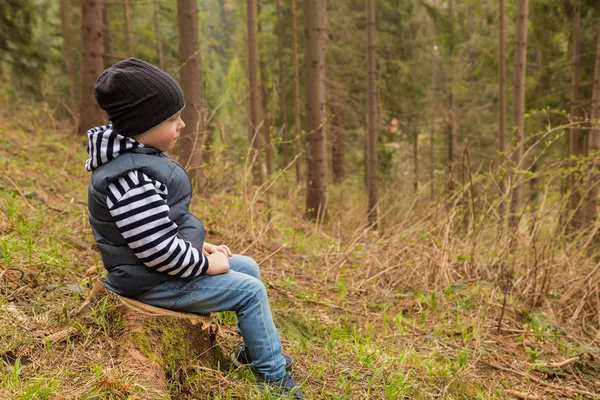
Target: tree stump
158,344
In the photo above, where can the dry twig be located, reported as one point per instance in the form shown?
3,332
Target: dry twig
559,388
521,395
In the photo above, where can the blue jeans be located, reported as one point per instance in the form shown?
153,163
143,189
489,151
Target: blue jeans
240,290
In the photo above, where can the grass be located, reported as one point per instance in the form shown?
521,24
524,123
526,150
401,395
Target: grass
409,311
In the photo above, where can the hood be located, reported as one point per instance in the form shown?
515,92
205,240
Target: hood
104,144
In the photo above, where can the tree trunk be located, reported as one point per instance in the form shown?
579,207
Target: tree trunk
92,64
297,140
284,126
372,106
65,17
157,30
338,130
191,140
594,142
128,28
451,140
451,103
265,104
433,117
253,82
416,161
108,47
576,145
502,106
316,153
518,117
227,22
156,345
432,156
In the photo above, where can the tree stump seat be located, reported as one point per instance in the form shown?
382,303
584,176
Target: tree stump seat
156,343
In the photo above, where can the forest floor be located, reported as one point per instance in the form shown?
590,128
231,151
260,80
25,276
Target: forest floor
352,335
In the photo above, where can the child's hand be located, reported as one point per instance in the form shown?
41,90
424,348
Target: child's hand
225,250
218,263
208,248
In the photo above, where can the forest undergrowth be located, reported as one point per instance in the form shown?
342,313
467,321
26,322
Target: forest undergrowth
435,303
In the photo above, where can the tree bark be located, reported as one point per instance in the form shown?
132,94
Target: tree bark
154,343
432,157
451,103
92,64
316,154
267,149
594,142
576,144
451,140
338,130
434,86
191,140
297,139
65,17
502,105
108,47
253,83
128,28
227,22
157,30
283,101
372,113
416,161
518,117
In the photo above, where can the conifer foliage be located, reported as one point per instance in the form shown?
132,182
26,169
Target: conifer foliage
383,93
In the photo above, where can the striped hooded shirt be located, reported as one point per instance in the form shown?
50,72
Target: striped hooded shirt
138,205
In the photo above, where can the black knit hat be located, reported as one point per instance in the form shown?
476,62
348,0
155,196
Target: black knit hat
137,96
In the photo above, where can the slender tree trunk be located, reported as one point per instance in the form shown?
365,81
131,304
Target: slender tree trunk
576,145
432,156
264,91
502,106
316,153
297,139
227,23
128,28
338,130
108,47
92,64
451,103
65,17
594,142
253,82
434,86
190,142
451,141
518,117
416,161
158,34
284,126
372,106
366,152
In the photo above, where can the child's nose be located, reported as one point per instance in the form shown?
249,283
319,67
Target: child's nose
181,123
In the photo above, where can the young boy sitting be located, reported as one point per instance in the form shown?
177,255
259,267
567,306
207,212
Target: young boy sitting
152,246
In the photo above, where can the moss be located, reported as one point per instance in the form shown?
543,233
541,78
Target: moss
141,341
176,347
222,361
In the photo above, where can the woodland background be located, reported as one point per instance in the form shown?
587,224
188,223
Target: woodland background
430,166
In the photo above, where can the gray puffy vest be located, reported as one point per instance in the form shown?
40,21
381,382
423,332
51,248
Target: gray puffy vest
127,276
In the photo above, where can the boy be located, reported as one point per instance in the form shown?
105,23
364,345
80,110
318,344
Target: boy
151,244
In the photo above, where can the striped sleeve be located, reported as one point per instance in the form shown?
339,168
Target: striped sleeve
139,207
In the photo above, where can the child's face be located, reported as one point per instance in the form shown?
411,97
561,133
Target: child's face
164,136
